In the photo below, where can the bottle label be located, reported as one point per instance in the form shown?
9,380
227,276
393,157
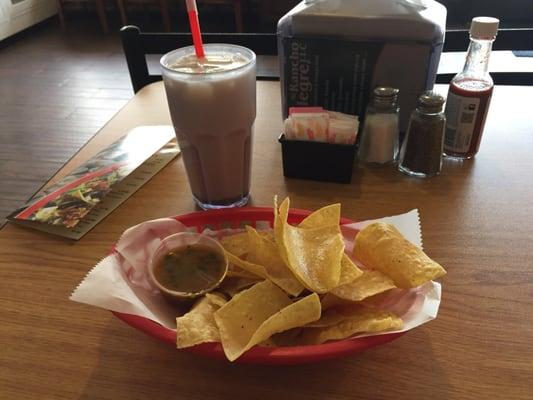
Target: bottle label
461,113
330,73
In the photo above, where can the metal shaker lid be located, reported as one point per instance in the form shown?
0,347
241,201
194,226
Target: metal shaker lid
430,102
385,96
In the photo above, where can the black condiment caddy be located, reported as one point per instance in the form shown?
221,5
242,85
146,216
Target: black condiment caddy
329,162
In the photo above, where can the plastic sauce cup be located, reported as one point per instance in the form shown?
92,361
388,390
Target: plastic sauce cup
187,265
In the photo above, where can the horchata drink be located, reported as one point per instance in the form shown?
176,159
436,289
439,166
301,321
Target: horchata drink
212,104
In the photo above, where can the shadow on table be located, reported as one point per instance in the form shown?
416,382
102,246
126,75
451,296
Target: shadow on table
322,189
135,366
389,175
388,181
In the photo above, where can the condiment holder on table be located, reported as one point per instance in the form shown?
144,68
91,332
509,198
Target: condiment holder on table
319,144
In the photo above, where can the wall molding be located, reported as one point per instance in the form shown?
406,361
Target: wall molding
21,15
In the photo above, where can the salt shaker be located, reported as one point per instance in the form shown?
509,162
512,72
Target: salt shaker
379,141
421,153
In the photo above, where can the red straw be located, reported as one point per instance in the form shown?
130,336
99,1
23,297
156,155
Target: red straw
192,10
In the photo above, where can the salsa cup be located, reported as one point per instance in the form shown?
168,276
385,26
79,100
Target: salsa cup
180,241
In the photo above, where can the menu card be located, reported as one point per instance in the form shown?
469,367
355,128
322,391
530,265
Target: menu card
76,203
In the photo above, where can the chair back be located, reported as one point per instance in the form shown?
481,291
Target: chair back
137,45
507,39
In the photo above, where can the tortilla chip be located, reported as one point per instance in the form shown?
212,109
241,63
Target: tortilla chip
313,254
349,271
238,272
328,318
251,268
266,253
335,316
368,284
382,247
286,338
198,325
267,235
290,337
216,298
329,215
293,316
240,318
272,272
233,284
236,244
362,320
330,301
267,343
255,314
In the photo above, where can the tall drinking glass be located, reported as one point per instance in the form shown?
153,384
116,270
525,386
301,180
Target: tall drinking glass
212,104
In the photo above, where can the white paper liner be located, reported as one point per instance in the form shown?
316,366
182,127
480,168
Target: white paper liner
120,281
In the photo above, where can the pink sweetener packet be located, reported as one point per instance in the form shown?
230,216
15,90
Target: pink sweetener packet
307,126
320,125
305,110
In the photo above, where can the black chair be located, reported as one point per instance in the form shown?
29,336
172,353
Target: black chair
507,39
137,45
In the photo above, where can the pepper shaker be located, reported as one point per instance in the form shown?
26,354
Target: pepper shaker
421,153
380,140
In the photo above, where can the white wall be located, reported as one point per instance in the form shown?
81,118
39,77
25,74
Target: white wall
23,14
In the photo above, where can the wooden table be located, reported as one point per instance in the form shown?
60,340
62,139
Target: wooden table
476,219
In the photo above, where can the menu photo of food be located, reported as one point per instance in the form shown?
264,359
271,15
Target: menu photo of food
74,204
69,204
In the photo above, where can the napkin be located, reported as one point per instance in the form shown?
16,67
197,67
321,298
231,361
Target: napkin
120,282
319,125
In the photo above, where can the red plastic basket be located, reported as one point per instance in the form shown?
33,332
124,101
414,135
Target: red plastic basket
255,216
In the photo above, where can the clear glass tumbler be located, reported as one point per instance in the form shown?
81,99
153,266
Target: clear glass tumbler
212,104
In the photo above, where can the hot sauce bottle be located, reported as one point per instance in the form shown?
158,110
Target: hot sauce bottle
470,93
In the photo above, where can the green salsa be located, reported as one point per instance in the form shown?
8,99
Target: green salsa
190,269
